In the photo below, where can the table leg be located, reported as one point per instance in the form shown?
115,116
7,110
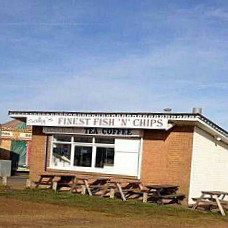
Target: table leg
197,202
39,181
87,187
75,182
105,188
140,186
145,197
112,193
120,191
83,192
219,205
55,186
160,200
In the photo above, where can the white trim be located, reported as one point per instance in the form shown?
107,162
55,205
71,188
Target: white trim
73,144
94,153
71,152
213,131
140,158
170,117
51,151
192,168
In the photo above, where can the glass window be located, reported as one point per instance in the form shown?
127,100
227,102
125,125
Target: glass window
83,156
61,155
82,149
83,139
62,138
105,140
104,157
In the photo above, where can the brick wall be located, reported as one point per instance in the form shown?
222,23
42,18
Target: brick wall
166,157
37,156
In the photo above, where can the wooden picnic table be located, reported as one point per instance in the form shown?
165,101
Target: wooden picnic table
48,179
108,185
104,185
57,181
212,199
82,183
129,188
165,193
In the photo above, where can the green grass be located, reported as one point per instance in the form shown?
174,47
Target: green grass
115,207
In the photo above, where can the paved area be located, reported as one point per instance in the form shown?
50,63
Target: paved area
17,182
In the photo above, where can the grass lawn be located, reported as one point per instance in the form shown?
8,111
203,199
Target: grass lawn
48,208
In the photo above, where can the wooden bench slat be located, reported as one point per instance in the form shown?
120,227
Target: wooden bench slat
174,196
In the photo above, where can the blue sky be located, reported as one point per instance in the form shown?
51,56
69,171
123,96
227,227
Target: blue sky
114,55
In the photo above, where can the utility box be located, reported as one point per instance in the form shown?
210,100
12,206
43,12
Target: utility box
5,168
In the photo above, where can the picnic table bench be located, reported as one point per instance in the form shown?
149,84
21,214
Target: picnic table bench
165,194
212,200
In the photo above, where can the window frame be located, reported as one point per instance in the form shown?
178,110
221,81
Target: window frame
94,146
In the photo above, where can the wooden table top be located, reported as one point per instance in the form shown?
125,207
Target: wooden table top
103,178
215,192
57,175
156,186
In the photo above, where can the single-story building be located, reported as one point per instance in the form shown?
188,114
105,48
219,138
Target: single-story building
15,144
185,149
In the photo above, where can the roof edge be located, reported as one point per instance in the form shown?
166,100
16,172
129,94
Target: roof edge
171,116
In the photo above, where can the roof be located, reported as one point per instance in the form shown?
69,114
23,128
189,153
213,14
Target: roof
196,118
16,125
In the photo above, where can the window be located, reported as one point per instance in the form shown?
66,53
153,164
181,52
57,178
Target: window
62,138
83,139
104,157
83,156
61,155
82,151
105,140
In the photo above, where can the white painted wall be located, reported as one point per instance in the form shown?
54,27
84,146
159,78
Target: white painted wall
209,169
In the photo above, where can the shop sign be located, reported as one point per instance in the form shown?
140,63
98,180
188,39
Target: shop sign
99,122
26,136
6,134
16,135
93,131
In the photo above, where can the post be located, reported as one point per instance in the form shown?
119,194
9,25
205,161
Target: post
28,183
55,185
4,180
